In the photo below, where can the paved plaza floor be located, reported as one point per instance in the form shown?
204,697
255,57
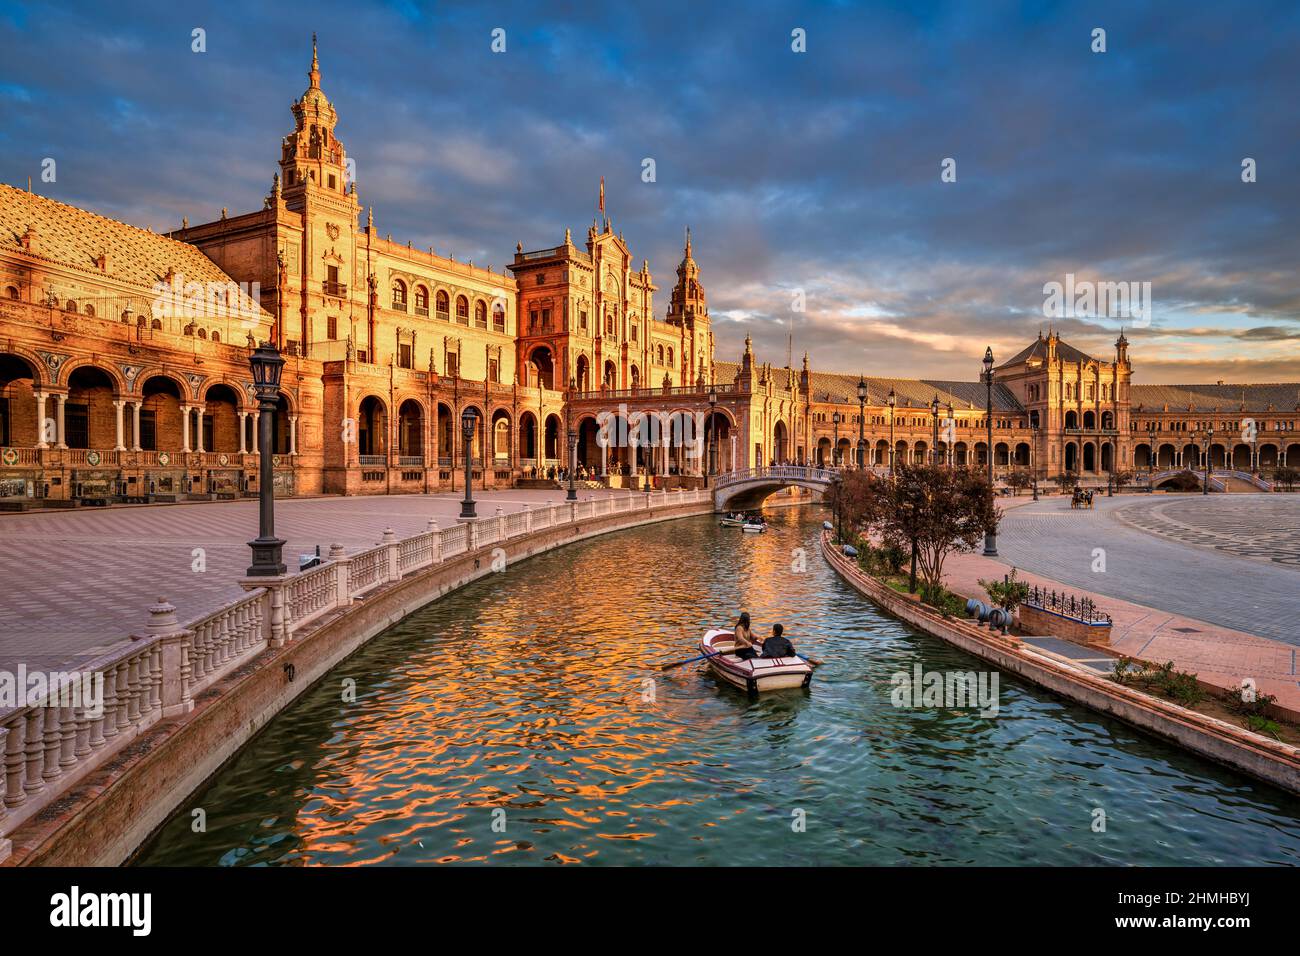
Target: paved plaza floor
77,582
1210,583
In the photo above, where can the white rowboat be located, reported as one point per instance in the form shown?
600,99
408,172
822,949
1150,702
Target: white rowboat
756,674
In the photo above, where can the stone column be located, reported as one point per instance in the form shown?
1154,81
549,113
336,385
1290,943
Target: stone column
257,415
243,434
61,436
40,418
198,424
175,645
293,434
135,425
185,428
118,406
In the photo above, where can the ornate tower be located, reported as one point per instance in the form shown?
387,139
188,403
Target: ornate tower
689,311
311,158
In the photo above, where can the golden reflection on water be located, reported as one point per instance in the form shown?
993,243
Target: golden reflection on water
533,698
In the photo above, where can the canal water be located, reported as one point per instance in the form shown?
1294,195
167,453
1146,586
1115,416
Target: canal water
523,720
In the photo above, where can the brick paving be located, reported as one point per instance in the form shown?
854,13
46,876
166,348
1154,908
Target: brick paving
1238,604
78,582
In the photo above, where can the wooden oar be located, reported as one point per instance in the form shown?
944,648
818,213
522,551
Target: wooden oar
668,667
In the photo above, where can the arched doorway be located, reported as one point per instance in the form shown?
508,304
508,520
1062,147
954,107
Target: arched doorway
610,379
501,436
221,419
88,414
583,370
528,439
18,424
781,443
372,427
410,432
1089,456
542,367
554,441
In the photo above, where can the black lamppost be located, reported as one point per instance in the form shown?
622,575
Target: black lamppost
835,452
266,364
1209,437
991,536
573,466
949,454
891,401
934,414
468,421
713,436
1033,462
862,418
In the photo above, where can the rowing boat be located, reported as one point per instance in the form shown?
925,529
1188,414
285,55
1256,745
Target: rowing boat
754,527
731,522
756,674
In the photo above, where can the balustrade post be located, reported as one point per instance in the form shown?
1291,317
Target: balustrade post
342,567
501,525
469,535
528,517
174,641
276,629
435,543
389,539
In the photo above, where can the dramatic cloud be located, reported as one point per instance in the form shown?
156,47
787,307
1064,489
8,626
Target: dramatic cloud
816,172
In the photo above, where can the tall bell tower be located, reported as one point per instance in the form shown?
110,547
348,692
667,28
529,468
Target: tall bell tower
311,158
689,311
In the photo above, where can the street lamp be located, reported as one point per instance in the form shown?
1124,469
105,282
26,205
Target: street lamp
267,364
573,466
862,418
934,414
891,401
949,454
713,436
991,537
1209,437
468,420
835,451
1033,462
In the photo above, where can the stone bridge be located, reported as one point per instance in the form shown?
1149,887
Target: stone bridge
748,487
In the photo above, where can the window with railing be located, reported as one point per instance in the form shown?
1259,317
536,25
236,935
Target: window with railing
421,300
443,304
498,318
480,315
462,310
399,295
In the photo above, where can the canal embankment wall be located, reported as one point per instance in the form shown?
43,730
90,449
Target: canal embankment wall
1271,761
192,696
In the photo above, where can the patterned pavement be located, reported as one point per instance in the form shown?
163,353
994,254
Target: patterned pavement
1266,527
78,582
1212,559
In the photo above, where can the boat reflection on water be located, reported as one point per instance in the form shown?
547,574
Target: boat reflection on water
525,720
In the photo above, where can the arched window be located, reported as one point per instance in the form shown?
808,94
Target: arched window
70,306
480,314
90,311
660,354
462,310
670,356
12,292
443,305
156,325
421,300
203,333
399,295
216,336
498,317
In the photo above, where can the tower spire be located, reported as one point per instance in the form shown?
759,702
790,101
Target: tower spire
314,73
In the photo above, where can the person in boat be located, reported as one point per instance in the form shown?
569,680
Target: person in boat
743,647
778,645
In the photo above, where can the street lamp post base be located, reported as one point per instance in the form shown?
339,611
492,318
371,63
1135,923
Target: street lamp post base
467,509
572,495
990,546
267,562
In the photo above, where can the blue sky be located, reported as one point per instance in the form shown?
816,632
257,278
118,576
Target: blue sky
815,171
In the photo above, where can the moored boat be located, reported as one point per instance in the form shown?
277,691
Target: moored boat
754,527
756,674
732,521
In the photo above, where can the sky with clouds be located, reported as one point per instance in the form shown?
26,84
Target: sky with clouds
817,171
